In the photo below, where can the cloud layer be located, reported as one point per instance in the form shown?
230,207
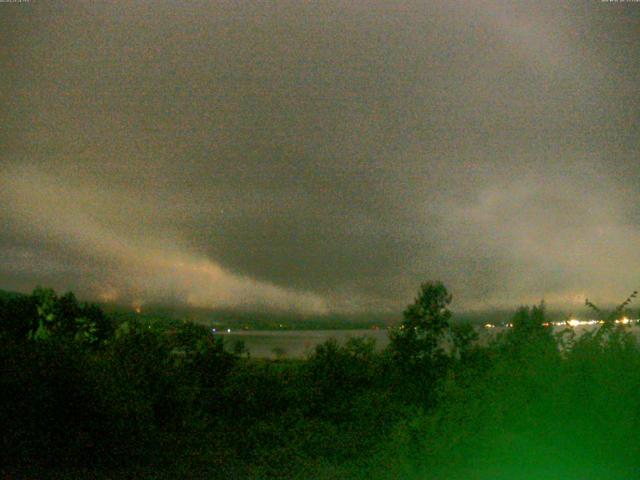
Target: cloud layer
323,156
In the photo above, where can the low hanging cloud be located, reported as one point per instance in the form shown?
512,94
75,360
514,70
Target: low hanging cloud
137,266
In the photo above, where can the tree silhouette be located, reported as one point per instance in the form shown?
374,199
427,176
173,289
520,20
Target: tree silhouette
616,314
418,339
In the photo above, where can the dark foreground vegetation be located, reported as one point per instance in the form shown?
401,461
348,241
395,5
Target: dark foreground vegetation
82,396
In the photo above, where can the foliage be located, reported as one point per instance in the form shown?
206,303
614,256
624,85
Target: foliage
417,341
43,315
617,313
463,337
166,399
531,334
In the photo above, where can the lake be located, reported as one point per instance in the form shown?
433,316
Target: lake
296,343
300,343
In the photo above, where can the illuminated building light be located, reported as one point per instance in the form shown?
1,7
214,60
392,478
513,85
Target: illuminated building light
573,322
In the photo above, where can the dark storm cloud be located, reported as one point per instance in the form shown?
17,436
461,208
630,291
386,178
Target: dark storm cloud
321,156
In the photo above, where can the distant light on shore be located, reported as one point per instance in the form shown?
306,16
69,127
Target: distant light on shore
573,322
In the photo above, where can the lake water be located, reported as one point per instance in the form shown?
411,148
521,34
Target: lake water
296,343
300,343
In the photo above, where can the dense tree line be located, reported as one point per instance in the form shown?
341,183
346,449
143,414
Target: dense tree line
82,395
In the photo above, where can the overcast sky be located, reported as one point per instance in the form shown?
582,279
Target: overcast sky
321,156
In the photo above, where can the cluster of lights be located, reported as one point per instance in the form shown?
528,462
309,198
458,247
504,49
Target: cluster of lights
574,322
625,321
489,326
214,330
